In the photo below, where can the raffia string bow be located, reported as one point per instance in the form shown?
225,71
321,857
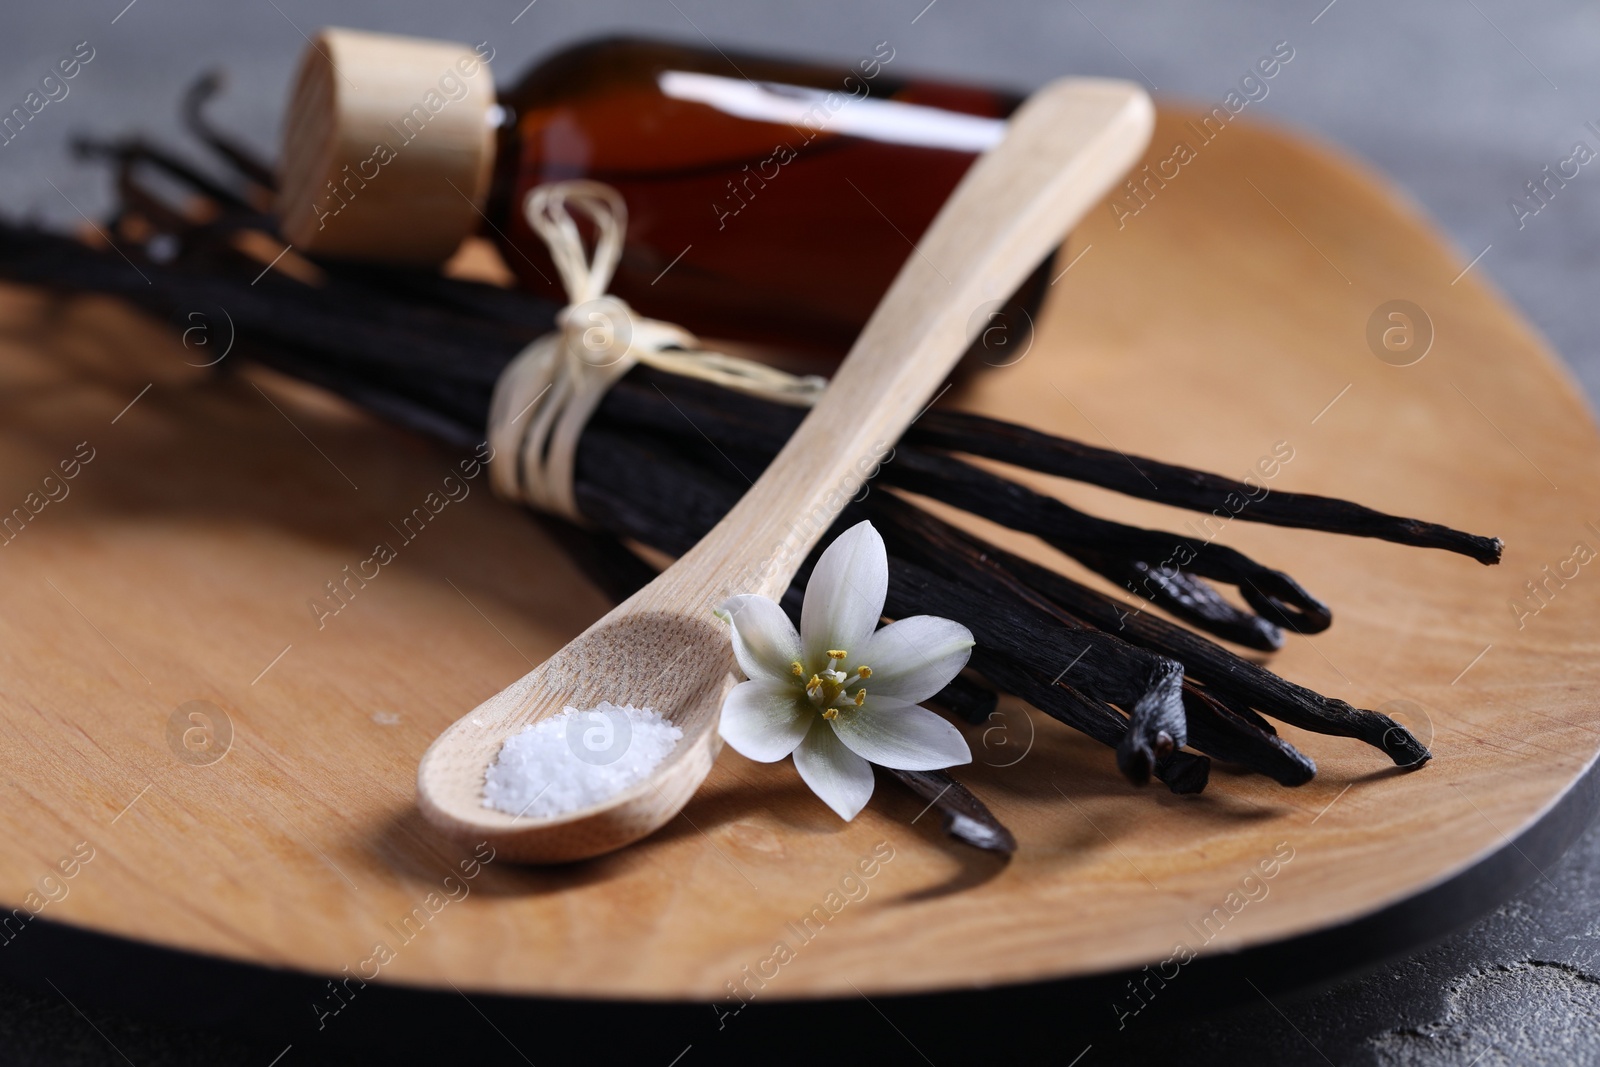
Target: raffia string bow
544,397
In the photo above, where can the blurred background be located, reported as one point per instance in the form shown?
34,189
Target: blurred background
1459,103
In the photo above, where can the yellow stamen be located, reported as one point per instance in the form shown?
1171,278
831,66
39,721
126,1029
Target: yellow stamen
837,653
864,671
797,670
830,713
861,697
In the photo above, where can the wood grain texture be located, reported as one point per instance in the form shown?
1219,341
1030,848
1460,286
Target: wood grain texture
661,649
1219,320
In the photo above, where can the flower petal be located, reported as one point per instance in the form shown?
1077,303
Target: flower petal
902,736
764,640
844,598
914,658
840,777
764,720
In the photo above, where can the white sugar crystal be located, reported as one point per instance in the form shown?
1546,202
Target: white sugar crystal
577,758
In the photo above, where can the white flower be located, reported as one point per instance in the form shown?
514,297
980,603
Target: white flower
807,693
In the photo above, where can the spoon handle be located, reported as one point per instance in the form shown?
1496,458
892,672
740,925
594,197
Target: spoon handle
1062,151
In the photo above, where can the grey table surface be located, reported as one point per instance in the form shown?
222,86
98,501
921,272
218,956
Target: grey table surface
1459,102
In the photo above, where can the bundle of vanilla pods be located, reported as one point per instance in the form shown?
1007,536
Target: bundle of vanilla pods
665,457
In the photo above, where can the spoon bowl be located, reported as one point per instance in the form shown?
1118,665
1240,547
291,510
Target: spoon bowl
662,648
675,663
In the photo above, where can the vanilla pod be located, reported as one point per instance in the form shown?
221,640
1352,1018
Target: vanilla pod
1184,487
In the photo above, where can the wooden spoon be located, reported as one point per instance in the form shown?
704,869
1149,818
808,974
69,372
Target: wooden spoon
662,648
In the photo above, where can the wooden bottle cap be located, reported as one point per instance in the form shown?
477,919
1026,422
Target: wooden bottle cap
387,148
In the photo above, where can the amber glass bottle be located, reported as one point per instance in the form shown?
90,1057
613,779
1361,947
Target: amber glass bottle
769,200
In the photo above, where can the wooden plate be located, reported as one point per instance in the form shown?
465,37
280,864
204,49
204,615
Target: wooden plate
237,767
